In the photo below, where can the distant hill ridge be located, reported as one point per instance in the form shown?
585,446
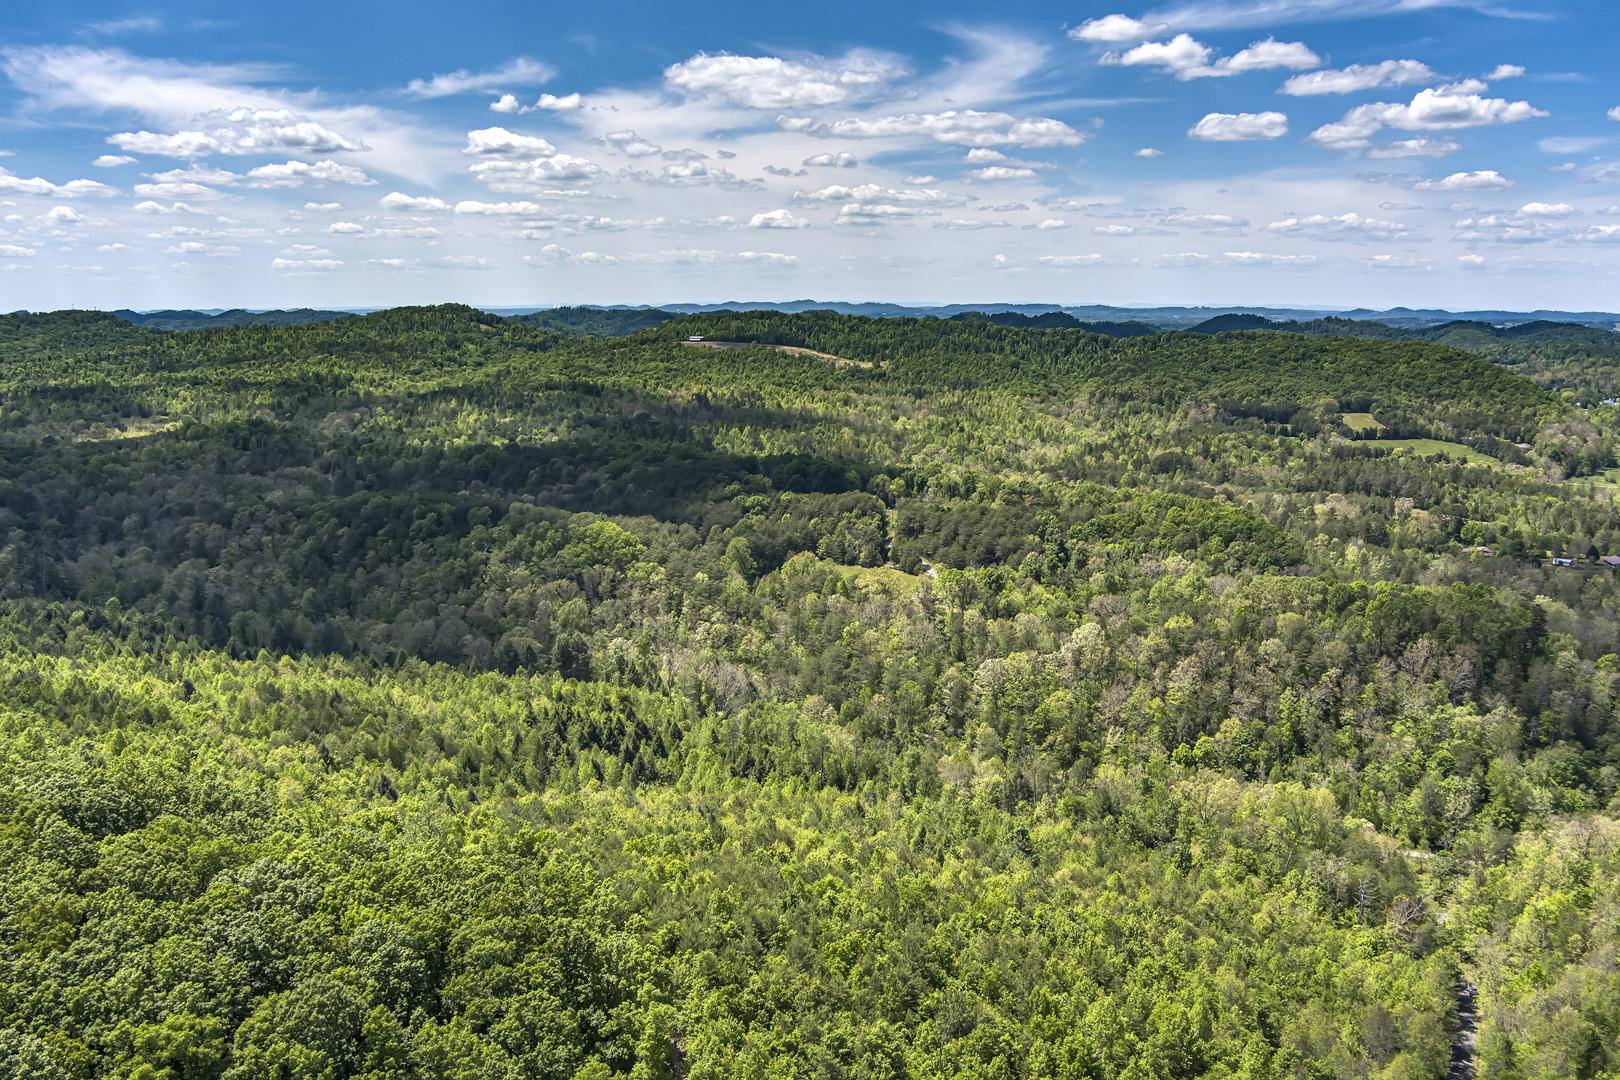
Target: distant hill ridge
614,319
1576,357
1167,317
1276,376
185,319
1279,377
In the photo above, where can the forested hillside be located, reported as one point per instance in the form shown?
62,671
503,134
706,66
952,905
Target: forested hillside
428,694
203,320
1584,360
1278,376
1561,356
596,322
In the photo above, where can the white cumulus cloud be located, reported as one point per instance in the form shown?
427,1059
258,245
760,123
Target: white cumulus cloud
239,132
1267,258
630,144
1348,224
1113,29
296,173
499,142
1188,58
1182,55
771,82
1478,180
777,219
36,185
1269,55
1001,172
1444,108
498,209
875,193
398,200
843,159
967,127
1239,127
557,102
515,163
152,206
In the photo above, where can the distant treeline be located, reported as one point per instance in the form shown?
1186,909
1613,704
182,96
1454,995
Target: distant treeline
203,320
1558,355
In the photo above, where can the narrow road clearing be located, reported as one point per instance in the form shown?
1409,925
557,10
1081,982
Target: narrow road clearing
797,350
1462,1043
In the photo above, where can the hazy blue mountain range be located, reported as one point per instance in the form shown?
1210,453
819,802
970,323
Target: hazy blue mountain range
614,319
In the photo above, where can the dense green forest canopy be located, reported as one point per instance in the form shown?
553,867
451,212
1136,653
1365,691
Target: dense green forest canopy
1584,360
429,694
1264,374
597,322
204,320
1579,359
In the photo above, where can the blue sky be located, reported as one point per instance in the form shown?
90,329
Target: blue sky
1458,153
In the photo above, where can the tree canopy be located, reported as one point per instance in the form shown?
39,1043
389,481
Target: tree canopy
429,694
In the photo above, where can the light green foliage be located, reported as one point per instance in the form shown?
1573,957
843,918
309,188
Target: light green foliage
1361,422
429,695
1427,447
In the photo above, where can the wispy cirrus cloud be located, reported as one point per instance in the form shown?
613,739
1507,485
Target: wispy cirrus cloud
188,100
1238,14
135,24
968,127
1120,29
521,71
1357,77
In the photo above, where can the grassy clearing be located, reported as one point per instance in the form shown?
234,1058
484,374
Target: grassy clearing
887,579
1360,422
1425,447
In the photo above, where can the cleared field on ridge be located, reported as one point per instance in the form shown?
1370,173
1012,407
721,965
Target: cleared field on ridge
797,350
